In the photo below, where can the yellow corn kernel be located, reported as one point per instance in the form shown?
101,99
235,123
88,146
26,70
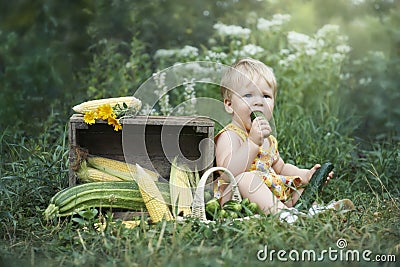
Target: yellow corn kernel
131,224
152,197
122,170
88,174
92,105
180,191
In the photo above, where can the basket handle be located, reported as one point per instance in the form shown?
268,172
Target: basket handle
198,207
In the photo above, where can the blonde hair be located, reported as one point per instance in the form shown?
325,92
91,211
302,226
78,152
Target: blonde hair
246,70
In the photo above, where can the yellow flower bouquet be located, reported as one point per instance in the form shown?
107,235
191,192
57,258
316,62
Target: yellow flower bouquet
110,110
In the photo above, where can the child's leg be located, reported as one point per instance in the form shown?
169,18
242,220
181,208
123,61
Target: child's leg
253,188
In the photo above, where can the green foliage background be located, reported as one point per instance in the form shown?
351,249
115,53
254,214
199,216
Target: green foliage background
54,55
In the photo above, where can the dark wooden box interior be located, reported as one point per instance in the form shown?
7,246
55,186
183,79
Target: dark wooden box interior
100,139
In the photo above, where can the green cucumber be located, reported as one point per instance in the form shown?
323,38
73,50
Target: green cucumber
135,203
223,214
315,186
245,202
246,211
213,207
233,206
253,207
256,114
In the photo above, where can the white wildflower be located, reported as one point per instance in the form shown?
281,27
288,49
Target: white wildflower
365,81
249,50
232,30
189,94
301,41
326,55
342,39
328,30
148,110
217,56
289,60
291,57
188,50
277,21
320,42
282,18
357,2
337,57
310,52
264,25
129,65
159,79
377,54
344,49
165,53
283,63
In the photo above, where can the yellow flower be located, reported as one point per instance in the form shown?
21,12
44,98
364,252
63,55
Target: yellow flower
114,122
105,111
90,117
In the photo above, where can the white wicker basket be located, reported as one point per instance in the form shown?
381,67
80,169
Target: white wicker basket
198,206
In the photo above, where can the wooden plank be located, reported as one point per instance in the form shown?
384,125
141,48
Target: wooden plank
156,120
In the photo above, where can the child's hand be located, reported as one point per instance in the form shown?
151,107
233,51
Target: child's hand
260,129
311,172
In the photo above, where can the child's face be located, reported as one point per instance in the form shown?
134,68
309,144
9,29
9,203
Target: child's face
248,97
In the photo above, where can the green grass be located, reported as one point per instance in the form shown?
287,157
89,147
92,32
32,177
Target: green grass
32,170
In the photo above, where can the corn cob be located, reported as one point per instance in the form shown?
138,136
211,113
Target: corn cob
180,191
88,174
122,170
129,224
152,197
92,105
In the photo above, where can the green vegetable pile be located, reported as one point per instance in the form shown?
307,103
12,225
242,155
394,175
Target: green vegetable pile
231,209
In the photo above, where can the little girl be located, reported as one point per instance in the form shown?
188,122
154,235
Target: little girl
247,147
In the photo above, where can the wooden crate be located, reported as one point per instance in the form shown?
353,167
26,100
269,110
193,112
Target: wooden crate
151,142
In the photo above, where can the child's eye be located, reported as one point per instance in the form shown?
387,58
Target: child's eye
267,96
247,95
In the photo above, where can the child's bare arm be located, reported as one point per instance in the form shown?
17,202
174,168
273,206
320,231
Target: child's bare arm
287,169
283,168
234,154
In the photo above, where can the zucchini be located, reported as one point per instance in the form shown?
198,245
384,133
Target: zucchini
66,193
135,203
99,194
256,114
315,186
110,196
62,196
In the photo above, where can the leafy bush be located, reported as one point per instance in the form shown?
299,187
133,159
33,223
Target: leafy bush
117,69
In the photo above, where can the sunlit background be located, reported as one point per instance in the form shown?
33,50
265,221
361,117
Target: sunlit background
55,54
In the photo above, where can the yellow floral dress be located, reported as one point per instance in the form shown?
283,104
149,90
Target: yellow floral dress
281,186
